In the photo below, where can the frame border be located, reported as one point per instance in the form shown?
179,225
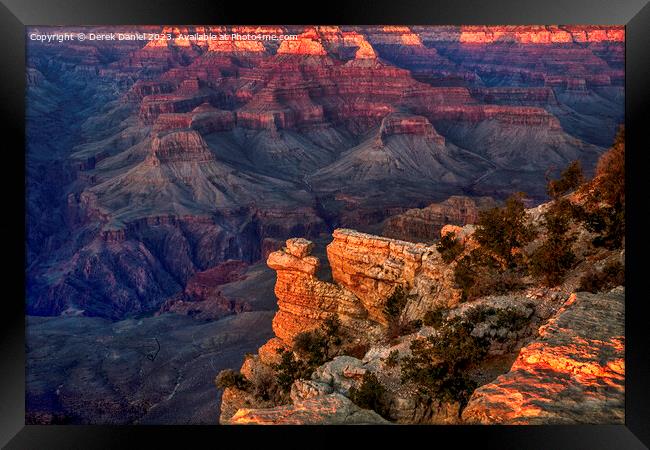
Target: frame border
635,14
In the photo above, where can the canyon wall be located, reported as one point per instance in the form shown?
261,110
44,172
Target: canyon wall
231,144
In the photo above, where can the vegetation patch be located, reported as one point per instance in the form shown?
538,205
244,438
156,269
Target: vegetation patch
570,180
604,208
503,231
370,394
480,273
450,247
392,359
393,309
438,363
229,378
311,349
435,317
612,275
509,319
554,257
290,369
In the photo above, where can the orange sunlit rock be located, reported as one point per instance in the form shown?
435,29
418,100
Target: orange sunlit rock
539,34
308,43
235,46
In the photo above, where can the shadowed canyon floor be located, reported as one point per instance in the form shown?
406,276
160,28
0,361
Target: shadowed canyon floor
85,370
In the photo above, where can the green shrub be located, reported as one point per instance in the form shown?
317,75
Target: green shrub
229,378
290,369
612,275
605,204
610,171
455,344
310,346
479,273
370,394
313,348
319,346
497,265
396,302
437,364
450,247
504,230
570,179
479,314
264,385
435,317
511,318
609,224
554,257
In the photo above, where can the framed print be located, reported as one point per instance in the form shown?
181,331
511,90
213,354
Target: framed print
345,224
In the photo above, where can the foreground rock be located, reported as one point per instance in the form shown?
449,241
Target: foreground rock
332,409
574,372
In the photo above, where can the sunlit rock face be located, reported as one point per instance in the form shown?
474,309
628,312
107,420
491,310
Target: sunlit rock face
573,373
543,34
366,269
304,301
308,43
372,266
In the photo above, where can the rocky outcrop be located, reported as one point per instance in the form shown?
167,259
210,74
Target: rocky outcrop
204,118
154,105
399,123
425,224
573,373
307,43
516,95
371,266
528,116
142,89
304,301
366,269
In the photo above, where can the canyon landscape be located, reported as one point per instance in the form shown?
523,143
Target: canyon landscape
325,225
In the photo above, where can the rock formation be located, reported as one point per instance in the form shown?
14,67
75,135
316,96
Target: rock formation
366,269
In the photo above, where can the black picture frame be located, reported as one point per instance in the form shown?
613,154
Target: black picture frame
16,14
